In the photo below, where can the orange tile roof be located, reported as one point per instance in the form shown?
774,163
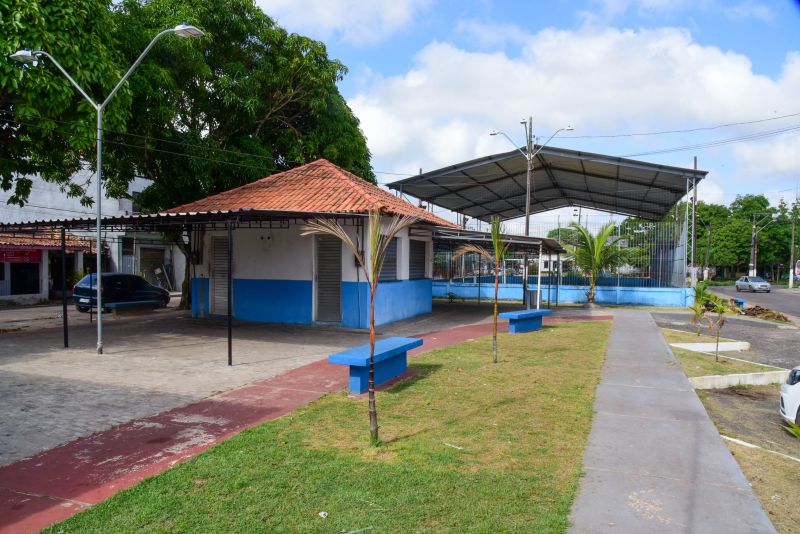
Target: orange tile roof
317,187
43,239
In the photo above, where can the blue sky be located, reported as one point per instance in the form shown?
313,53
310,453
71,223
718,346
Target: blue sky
429,79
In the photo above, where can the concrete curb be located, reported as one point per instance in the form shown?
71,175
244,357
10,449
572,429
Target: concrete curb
743,379
724,346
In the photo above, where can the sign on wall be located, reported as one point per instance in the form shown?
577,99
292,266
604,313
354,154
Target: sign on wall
21,256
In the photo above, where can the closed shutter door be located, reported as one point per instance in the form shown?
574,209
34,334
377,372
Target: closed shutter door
219,275
416,260
329,279
389,270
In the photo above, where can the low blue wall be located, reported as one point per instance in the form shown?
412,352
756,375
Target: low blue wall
393,301
200,297
272,301
648,296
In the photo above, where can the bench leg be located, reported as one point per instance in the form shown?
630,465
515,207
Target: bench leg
520,326
385,370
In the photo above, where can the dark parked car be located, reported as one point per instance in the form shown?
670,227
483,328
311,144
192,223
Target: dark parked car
127,289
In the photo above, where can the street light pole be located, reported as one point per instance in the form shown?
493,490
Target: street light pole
529,155
26,56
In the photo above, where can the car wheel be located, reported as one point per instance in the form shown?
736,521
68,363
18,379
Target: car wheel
768,290
738,289
82,309
165,302
797,417
752,290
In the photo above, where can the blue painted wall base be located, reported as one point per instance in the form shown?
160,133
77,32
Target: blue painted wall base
642,296
393,301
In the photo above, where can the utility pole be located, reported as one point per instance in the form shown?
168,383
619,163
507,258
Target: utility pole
528,176
751,271
791,253
694,227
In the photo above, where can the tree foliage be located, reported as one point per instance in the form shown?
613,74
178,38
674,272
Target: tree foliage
594,253
197,117
46,126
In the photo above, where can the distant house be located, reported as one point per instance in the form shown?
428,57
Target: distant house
143,253
279,276
30,265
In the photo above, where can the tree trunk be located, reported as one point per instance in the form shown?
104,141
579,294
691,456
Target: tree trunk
590,296
716,353
494,325
373,411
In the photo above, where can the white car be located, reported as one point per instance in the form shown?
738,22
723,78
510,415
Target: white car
752,283
790,397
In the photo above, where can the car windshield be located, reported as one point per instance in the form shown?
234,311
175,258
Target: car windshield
757,279
86,281
794,377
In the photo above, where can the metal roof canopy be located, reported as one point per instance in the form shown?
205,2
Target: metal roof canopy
495,185
452,238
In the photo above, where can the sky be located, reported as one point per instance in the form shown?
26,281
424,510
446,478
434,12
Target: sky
430,79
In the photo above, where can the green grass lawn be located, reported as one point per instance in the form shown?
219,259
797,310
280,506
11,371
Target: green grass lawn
468,446
700,364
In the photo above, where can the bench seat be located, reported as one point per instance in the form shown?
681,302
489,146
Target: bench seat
524,320
391,360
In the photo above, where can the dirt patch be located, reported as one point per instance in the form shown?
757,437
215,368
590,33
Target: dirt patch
750,413
765,313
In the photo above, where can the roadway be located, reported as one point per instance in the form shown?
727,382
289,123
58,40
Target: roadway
786,301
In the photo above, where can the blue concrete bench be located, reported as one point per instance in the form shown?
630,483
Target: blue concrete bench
390,361
524,320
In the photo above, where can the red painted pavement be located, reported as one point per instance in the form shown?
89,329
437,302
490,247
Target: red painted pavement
55,484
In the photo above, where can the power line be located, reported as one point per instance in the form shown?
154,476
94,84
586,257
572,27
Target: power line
688,130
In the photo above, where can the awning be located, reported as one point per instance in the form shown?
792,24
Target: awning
451,238
496,185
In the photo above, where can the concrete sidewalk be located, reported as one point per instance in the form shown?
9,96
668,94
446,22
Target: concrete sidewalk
654,461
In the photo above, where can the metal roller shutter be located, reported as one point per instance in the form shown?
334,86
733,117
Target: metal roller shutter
389,270
416,260
219,275
329,279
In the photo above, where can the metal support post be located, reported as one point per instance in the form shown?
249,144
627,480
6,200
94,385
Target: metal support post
230,307
64,285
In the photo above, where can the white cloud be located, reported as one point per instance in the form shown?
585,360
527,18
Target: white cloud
353,21
605,81
748,10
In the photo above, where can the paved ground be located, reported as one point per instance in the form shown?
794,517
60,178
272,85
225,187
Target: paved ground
59,482
654,461
153,362
783,300
771,343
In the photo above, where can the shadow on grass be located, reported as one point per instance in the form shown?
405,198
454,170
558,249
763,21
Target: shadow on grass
421,372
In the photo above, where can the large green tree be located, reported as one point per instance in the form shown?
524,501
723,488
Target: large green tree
242,102
46,127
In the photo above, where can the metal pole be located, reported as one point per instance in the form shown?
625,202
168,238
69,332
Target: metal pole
230,309
752,268
64,285
694,220
99,226
528,176
539,279
791,252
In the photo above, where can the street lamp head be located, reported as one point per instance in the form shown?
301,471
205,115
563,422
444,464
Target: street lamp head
493,132
569,128
187,31
23,56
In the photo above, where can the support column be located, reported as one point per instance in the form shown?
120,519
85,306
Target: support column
230,293
64,286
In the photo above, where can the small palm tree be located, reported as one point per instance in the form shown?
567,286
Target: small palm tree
371,265
718,306
700,306
594,253
496,256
